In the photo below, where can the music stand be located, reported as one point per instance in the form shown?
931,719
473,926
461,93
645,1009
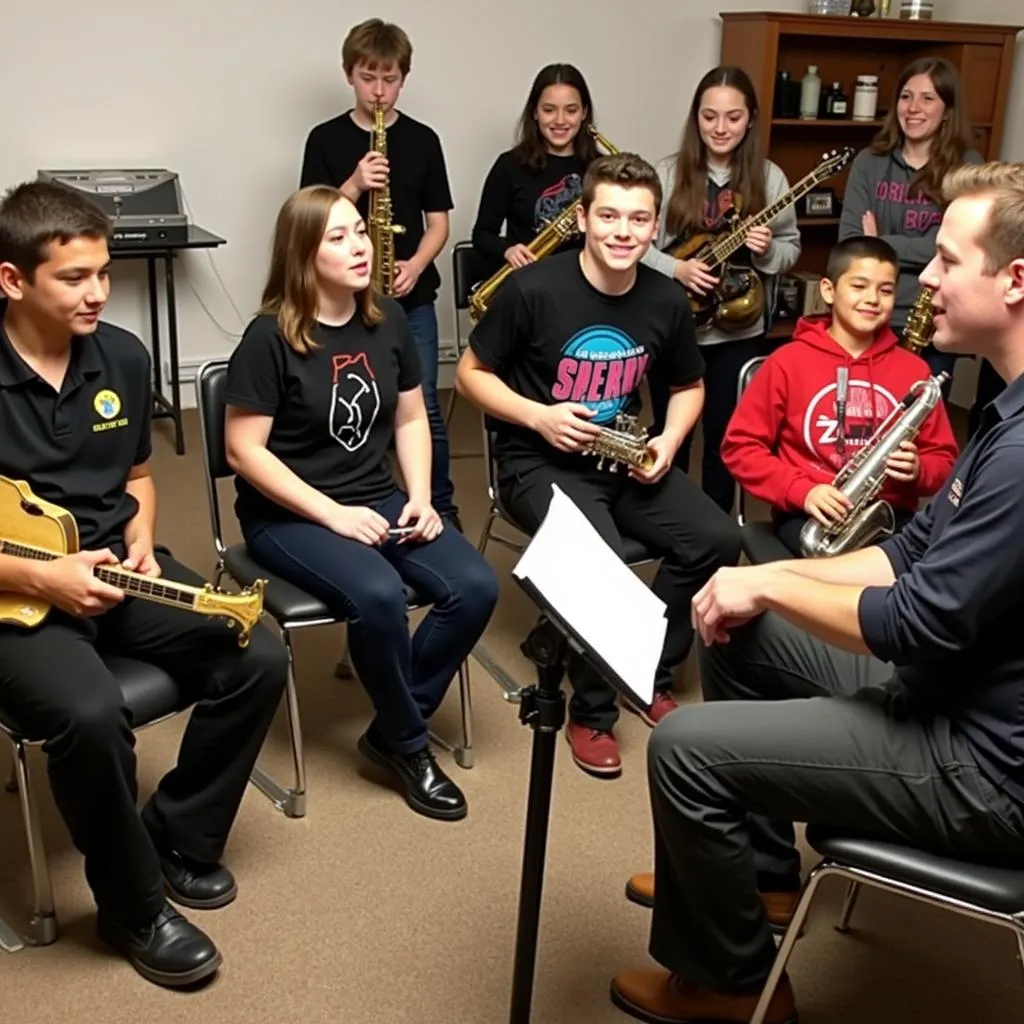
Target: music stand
542,707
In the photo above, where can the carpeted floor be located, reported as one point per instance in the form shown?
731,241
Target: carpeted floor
365,913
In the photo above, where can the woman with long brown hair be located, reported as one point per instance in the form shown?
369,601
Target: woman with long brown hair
531,184
895,186
324,381
720,167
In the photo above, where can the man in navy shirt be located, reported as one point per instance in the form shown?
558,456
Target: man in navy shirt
880,692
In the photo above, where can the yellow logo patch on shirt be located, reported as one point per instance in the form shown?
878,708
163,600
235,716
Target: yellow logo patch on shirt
108,404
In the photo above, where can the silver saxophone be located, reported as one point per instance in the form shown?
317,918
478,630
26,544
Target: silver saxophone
863,478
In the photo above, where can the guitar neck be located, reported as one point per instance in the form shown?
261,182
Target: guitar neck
725,247
180,595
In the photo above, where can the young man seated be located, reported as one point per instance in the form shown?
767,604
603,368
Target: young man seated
791,432
75,406
880,692
563,350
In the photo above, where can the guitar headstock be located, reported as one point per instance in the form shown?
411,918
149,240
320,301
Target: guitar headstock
243,610
833,162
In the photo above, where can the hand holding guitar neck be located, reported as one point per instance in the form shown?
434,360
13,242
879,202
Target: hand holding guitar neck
71,584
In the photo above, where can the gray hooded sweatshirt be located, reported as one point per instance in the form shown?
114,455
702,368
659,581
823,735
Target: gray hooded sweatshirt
879,183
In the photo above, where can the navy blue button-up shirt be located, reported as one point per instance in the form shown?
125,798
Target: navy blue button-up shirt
953,621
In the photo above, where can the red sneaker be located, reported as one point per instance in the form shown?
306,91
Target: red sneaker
664,704
596,751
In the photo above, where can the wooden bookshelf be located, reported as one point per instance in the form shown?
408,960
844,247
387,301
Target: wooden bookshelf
764,43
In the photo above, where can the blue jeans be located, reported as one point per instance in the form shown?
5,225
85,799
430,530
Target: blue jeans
423,323
406,677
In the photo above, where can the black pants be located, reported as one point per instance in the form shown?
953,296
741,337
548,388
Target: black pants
795,730
55,685
672,517
789,524
723,363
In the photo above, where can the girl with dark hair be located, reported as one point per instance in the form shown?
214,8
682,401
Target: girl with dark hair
895,186
324,381
720,168
532,183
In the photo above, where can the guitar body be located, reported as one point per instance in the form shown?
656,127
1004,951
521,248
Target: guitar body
33,528
27,519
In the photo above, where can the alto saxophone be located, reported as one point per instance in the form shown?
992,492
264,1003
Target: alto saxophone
920,325
553,235
624,442
863,478
382,231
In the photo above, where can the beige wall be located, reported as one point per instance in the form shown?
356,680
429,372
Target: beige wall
224,93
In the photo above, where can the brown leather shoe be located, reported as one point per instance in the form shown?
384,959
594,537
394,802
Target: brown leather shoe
780,906
664,703
662,998
596,751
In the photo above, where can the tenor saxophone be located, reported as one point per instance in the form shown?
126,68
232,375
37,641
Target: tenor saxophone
381,229
555,232
920,325
863,478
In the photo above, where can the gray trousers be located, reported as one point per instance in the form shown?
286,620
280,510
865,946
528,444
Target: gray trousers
795,730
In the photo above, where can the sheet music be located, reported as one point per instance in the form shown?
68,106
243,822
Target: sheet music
597,594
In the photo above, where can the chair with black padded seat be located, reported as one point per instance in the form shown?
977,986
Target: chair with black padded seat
635,553
291,607
469,268
760,542
151,696
994,895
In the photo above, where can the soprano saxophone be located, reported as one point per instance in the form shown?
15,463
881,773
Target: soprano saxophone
382,231
863,478
555,232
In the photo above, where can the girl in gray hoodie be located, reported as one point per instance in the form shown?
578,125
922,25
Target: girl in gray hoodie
720,167
895,186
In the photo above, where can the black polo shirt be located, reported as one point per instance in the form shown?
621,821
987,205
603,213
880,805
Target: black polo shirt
953,622
76,448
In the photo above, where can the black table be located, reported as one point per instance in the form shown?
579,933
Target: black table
198,238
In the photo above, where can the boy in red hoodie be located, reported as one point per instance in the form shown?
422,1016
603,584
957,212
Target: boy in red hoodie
785,442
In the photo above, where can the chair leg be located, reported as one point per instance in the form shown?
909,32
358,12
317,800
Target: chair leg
292,801
464,754
485,536
43,926
849,902
788,942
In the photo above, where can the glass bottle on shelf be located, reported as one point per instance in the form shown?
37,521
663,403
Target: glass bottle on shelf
810,93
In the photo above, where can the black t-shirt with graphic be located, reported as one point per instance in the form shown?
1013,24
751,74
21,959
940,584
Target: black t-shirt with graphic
333,408
524,201
551,336
418,181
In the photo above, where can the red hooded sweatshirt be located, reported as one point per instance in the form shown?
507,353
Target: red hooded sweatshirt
782,439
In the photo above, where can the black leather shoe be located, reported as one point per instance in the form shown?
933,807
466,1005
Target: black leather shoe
196,885
426,787
168,951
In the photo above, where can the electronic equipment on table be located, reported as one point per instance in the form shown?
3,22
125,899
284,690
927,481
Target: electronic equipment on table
145,205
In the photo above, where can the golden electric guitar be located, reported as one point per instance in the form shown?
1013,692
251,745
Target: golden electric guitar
738,300
33,528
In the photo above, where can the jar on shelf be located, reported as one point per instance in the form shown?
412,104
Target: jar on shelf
917,10
828,6
865,98
810,94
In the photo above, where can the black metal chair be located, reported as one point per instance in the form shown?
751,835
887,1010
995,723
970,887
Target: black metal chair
289,606
760,543
151,696
994,895
469,268
635,553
